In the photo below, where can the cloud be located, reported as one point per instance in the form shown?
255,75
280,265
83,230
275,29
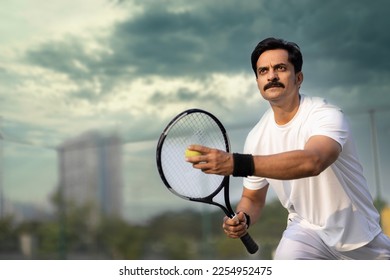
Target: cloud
161,40
164,57
177,39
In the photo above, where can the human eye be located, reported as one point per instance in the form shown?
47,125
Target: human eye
281,67
262,70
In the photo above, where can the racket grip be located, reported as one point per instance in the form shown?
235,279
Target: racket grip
249,243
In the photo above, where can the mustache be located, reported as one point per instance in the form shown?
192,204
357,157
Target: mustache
273,84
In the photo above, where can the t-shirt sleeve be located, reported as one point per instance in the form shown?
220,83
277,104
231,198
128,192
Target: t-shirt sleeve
255,183
330,121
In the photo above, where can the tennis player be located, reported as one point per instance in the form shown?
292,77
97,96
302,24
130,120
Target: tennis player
303,148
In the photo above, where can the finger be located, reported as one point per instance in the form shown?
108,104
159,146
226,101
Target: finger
233,228
241,217
198,162
226,223
230,231
231,221
233,224
199,148
234,233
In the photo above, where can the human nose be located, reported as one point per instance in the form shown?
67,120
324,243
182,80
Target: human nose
272,75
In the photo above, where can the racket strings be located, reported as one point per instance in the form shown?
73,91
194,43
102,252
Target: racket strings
195,128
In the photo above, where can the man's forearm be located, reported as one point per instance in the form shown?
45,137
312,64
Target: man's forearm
286,166
252,203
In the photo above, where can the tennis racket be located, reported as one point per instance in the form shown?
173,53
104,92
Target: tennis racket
195,126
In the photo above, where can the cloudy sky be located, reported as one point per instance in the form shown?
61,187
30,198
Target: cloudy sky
129,66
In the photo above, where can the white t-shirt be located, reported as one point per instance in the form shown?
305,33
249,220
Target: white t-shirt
336,203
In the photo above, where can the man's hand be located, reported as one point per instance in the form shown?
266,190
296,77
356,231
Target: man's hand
211,161
235,227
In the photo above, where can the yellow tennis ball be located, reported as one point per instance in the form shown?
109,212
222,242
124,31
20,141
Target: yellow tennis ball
190,153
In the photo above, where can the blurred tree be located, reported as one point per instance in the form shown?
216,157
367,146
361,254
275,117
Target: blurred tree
119,240
8,236
181,235
175,235
48,240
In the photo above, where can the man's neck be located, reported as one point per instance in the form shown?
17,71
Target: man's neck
283,113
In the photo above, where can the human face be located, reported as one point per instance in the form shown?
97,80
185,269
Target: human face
276,78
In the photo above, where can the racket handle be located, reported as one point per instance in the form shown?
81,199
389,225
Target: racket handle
249,243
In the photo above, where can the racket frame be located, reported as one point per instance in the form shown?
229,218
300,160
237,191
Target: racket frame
225,182
250,245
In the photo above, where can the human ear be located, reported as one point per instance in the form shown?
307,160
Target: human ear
299,79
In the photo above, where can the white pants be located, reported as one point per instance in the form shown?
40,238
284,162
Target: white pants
299,243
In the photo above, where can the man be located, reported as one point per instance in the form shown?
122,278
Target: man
303,148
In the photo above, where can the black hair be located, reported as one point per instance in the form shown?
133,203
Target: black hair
294,52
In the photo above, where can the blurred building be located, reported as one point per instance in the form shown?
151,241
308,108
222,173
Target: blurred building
90,171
